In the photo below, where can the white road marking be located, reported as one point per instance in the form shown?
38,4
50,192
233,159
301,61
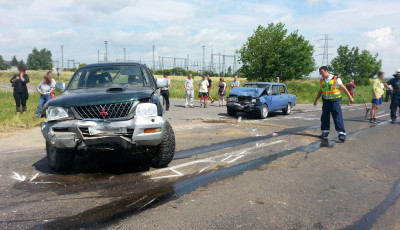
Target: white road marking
20,150
34,177
136,201
147,203
235,159
173,170
207,160
383,115
383,123
203,169
44,182
226,158
18,177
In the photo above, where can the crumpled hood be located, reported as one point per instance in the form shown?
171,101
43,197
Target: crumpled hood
97,96
242,91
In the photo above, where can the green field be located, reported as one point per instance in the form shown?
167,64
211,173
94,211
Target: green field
305,90
9,120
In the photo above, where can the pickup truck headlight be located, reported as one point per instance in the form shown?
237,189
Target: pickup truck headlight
146,110
58,113
233,99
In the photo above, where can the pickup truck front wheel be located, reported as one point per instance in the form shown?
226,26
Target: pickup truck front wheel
164,153
60,160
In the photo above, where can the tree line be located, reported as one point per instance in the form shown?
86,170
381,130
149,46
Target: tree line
272,52
37,60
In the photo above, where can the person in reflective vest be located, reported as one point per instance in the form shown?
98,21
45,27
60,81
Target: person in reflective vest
331,88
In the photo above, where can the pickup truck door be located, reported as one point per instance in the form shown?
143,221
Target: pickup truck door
276,102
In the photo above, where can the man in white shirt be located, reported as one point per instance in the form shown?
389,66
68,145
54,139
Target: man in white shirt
165,93
189,91
330,90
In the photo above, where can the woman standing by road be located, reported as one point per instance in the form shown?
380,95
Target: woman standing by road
44,88
221,91
19,82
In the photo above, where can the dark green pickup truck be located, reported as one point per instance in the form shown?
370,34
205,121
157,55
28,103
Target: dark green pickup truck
108,106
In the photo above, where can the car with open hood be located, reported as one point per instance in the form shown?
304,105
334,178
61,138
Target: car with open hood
260,98
108,106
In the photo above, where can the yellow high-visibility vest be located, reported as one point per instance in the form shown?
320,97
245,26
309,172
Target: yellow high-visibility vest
329,91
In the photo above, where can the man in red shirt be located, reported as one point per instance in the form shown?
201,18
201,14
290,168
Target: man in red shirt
350,87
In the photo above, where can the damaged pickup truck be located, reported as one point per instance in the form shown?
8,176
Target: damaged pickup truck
260,99
108,106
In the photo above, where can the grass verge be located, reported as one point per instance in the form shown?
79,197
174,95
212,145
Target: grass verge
8,116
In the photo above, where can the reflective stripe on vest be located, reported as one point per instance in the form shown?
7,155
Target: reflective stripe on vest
329,91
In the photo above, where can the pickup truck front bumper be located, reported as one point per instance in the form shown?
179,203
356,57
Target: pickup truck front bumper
76,134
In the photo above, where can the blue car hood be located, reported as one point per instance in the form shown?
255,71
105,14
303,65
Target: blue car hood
242,91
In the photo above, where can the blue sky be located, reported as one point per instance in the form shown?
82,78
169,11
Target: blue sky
181,27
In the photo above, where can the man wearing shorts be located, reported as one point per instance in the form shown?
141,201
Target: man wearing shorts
203,91
377,93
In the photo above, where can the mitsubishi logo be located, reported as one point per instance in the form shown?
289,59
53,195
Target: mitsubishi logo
103,112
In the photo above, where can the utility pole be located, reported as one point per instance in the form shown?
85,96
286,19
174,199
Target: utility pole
154,63
124,54
105,54
98,55
62,57
204,60
325,54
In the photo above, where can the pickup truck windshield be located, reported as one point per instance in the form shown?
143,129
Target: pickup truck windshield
111,76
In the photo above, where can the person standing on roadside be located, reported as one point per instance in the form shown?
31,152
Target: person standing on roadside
350,87
331,91
377,93
44,88
395,88
221,91
189,91
53,85
236,82
21,94
203,91
165,93
209,88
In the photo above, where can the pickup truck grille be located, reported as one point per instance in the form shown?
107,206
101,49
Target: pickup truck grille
107,111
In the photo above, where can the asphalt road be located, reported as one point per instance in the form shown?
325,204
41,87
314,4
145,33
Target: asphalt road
253,174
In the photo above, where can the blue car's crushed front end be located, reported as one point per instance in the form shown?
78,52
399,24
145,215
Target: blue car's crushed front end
245,99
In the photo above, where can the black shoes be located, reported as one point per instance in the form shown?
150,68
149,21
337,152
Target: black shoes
324,135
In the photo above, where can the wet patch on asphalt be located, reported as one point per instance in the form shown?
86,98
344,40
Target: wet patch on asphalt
163,192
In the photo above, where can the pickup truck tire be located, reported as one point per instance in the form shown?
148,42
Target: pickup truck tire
263,113
288,109
60,160
231,112
164,153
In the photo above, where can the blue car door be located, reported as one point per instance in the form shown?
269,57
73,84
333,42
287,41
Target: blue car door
276,102
285,97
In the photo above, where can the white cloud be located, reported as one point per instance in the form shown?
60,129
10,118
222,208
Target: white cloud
380,39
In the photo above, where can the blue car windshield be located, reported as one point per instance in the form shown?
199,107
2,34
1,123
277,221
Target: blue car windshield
260,86
110,76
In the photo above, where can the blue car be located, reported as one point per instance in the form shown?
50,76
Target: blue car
260,98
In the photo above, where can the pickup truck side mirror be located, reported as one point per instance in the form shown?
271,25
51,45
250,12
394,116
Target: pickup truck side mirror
162,82
60,87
